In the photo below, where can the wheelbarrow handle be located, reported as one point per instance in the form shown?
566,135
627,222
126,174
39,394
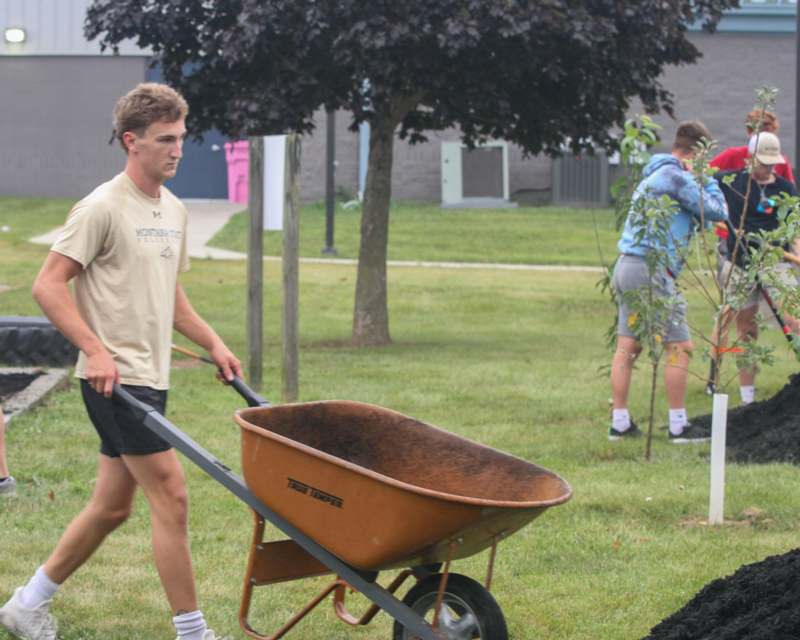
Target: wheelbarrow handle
250,396
138,408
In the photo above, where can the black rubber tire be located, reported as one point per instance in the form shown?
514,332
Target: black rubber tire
463,597
33,341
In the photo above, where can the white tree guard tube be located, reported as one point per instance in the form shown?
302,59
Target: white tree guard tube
719,424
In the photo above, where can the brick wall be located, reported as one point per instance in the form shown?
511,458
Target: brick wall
416,171
720,89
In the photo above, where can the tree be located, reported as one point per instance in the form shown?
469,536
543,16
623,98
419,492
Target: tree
533,72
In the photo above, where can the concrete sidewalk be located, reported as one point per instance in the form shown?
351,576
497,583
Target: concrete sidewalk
207,217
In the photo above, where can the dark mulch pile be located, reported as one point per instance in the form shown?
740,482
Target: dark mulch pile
758,602
767,431
10,383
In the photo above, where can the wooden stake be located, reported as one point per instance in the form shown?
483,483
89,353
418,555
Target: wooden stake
255,264
291,269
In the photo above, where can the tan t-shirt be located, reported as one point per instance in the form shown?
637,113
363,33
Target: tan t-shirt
131,247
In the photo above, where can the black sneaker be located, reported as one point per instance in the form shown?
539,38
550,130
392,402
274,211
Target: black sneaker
689,435
631,432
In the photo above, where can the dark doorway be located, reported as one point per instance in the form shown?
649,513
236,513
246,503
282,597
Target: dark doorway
482,171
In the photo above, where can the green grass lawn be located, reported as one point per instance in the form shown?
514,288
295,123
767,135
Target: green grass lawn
533,235
508,358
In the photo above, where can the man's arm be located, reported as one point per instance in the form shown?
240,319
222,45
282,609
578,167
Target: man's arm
51,291
689,195
189,323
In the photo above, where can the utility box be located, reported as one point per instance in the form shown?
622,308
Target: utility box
581,180
475,178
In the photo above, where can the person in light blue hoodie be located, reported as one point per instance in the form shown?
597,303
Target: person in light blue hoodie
666,174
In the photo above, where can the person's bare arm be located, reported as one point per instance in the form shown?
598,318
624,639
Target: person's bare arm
189,323
51,291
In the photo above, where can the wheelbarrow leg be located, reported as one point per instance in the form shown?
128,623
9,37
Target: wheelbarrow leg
279,561
284,560
442,586
492,556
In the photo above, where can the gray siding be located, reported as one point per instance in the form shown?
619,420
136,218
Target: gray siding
54,27
720,89
57,121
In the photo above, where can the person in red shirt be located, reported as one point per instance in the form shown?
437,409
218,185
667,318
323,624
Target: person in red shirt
735,158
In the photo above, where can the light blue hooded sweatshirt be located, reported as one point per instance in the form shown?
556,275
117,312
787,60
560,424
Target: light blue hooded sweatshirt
664,175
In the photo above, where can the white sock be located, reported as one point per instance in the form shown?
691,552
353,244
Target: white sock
677,421
39,589
620,420
190,626
748,393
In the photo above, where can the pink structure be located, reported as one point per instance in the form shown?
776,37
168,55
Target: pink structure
237,155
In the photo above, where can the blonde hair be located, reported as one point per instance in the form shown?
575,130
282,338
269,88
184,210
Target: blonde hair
145,104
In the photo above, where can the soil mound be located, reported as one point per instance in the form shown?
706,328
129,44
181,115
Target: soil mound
758,602
767,431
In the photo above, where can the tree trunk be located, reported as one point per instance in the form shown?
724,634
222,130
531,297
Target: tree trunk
371,313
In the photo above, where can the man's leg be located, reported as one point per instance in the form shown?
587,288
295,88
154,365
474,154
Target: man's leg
8,486
677,353
622,369
630,273
676,372
747,331
109,506
161,477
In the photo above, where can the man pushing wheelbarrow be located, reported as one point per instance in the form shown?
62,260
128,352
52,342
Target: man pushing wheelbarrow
123,246
357,489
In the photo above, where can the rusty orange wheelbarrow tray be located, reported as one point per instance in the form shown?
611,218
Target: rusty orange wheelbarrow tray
358,489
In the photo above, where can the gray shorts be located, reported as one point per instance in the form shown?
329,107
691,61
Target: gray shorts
631,273
743,295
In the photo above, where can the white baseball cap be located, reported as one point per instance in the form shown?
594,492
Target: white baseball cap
765,147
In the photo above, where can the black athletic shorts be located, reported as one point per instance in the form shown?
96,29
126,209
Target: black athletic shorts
119,430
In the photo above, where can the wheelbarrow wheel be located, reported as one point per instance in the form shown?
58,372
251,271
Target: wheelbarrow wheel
468,611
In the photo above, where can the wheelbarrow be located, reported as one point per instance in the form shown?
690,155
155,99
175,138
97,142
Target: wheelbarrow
359,489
